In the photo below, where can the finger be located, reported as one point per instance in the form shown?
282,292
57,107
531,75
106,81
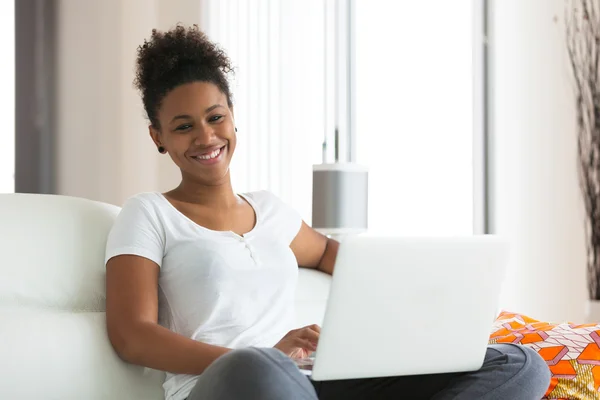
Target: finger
297,352
309,334
313,328
305,344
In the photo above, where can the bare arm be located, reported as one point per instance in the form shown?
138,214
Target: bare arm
314,250
132,321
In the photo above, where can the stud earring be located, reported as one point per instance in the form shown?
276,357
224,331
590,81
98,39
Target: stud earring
161,149
236,129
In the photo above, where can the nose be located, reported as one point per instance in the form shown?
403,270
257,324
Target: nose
204,135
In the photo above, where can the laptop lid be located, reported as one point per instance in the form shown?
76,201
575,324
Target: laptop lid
407,306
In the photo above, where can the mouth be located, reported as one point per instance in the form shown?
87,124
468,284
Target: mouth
211,157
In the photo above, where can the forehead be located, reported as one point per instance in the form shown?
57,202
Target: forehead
192,99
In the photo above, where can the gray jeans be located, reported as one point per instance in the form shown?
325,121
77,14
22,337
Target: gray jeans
509,372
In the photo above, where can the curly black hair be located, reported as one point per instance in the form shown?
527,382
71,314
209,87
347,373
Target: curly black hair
178,56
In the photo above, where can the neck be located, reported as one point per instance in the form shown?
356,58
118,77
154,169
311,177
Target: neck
215,196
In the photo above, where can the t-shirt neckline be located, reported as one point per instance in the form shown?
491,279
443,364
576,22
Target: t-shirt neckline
229,233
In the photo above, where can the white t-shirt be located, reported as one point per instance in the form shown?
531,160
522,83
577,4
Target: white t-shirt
216,287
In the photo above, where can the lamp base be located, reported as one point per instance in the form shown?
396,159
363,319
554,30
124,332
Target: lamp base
340,198
340,234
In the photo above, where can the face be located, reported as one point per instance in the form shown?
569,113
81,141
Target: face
198,131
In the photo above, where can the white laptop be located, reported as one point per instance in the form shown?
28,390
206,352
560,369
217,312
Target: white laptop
407,306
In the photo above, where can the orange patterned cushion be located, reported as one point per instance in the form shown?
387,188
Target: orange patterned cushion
571,351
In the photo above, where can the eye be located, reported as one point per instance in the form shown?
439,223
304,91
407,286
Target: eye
183,127
215,118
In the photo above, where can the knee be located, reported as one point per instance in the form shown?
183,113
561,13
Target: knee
535,369
244,362
266,373
265,359
530,368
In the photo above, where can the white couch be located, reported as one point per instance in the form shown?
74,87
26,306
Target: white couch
53,342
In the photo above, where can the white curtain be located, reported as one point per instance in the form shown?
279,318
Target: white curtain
414,88
277,50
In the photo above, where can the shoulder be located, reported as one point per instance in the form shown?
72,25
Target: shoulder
262,197
279,216
145,199
138,229
142,209
265,201
148,203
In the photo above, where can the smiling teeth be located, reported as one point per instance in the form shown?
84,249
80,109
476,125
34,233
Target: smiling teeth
214,154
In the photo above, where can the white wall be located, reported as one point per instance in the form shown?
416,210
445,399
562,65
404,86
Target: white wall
536,201
104,151
7,97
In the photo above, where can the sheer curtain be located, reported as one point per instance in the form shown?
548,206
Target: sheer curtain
277,50
7,97
414,99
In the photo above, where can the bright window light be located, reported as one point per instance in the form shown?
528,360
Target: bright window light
414,93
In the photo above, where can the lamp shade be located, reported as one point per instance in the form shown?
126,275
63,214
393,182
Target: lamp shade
340,198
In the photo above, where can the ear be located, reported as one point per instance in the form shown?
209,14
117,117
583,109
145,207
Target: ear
155,135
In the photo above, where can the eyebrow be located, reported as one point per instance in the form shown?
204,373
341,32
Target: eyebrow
186,116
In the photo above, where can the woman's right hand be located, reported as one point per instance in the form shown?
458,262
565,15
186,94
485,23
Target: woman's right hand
299,343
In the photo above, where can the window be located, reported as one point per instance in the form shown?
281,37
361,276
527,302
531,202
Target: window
414,104
414,121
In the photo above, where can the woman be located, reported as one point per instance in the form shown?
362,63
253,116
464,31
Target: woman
194,273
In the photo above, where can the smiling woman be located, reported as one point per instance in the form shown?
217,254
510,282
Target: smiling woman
200,281
217,268
200,136
191,111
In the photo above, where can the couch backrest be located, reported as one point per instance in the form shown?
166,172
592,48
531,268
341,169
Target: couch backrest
53,342
52,252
